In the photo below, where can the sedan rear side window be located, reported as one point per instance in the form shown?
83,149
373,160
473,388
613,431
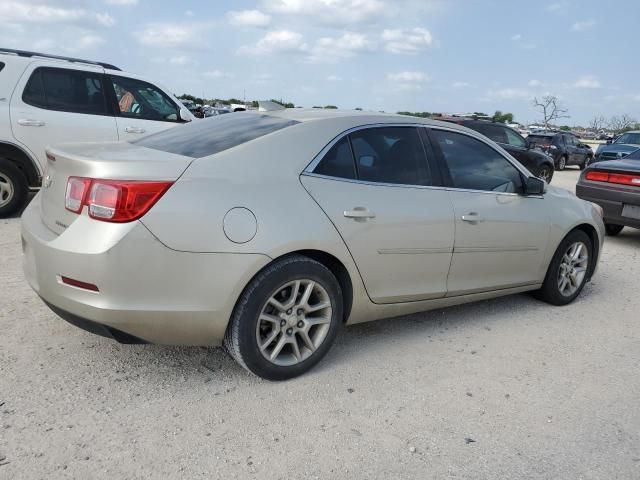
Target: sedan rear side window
66,90
393,155
1,66
202,138
473,165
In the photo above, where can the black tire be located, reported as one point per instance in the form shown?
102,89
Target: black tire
585,163
545,172
240,338
562,162
612,229
550,291
14,189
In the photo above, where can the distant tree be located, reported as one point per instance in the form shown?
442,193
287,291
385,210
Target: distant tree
317,106
565,128
418,114
284,104
359,109
621,123
480,114
550,109
597,123
254,104
503,117
331,107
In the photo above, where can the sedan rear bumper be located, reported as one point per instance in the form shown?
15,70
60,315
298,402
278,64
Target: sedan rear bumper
612,200
146,292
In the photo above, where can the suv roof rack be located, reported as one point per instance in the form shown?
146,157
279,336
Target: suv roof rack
25,53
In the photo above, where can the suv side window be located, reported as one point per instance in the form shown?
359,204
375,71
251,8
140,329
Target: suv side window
473,165
558,140
494,132
570,140
514,138
141,100
66,90
338,162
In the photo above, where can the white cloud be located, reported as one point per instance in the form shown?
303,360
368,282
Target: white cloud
331,49
460,84
582,26
557,7
587,81
169,35
216,74
332,12
189,13
25,12
408,80
534,83
248,18
88,41
181,60
121,2
508,93
333,78
277,41
516,37
406,41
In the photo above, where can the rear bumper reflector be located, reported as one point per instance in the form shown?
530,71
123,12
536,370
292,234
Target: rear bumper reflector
79,284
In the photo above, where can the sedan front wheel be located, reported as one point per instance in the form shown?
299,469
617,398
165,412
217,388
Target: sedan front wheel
286,319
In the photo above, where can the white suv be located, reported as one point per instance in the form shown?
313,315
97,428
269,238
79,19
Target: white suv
46,99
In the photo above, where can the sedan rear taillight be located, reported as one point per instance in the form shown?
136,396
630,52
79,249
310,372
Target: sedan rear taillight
619,178
113,200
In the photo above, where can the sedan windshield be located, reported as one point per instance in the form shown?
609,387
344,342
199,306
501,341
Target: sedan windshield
632,138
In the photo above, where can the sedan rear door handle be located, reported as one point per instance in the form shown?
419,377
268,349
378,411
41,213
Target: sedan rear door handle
134,130
472,217
359,213
28,122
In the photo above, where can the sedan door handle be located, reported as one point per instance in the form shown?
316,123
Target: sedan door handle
27,122
472,217
359,213
134,130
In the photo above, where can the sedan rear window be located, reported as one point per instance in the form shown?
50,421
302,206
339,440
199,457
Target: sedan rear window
202,138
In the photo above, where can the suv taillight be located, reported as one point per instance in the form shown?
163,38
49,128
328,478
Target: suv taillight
113,200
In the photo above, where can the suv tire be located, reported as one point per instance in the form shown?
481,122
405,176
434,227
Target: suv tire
562,162
545,172
13,188
278,308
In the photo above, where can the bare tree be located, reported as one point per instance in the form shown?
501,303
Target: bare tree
619,123
597,123
550,108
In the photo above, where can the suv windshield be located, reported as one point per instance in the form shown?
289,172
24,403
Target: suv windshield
202,138
632,138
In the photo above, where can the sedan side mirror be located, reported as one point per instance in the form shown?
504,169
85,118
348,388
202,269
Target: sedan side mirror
534,186
184,115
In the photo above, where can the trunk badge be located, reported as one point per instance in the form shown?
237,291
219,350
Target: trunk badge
46,181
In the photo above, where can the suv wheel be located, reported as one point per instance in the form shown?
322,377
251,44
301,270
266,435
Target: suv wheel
562,162
286,319
545,172
612,229
584,163
13,188
568,270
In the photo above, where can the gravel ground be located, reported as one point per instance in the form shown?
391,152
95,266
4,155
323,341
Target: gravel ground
509,388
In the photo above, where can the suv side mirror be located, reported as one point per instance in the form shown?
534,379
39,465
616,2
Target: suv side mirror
184,115
534,186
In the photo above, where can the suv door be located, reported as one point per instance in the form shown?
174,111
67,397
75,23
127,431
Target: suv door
53,105
141,108
376,186
500,234
573,152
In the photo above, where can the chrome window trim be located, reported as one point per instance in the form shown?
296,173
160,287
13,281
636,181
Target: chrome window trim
308,171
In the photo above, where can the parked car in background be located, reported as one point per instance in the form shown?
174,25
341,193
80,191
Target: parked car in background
213,111
365,216
619,148
565,148
46,99
615,186
538,163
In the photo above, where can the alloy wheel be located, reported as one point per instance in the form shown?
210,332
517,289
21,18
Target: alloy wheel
545,174
294,322
6,190
573,268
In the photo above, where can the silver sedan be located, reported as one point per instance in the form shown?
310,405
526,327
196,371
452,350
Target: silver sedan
268,231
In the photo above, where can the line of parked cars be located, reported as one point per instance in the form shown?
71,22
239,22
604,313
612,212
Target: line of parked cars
269,230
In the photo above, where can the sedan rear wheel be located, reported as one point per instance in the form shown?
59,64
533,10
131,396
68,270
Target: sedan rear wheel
286,319
568,271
